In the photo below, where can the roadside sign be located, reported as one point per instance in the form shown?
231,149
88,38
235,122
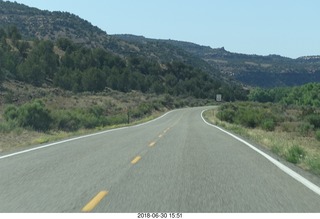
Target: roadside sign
218,97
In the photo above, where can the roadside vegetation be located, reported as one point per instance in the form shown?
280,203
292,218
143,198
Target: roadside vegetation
32,115
307,95
290,131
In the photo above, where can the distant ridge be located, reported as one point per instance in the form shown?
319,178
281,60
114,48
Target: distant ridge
310,58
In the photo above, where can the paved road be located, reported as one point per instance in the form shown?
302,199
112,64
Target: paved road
174,164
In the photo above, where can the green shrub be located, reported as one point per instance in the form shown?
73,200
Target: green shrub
97,111
34,115
90,121
8,97
305,129
8,126
117,119
227,115
318,135
314,119
145,108
11,113
66,120
268,124
250,115
249,118
314,164
157,105
277,149
142,110
288,126
295,154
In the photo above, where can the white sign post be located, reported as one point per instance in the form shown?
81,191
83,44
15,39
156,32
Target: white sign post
218,97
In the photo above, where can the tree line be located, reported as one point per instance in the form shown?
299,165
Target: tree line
305,95
77,68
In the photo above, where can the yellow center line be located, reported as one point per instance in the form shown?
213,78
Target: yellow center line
135,160
94,202
152,144
160,136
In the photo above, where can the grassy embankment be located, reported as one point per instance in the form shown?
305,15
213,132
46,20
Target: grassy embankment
292,132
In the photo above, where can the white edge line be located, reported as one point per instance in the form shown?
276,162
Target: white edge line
81,137
281,166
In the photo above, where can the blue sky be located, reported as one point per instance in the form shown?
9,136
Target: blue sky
286,27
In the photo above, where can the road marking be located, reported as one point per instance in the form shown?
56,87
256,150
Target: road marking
165,131
94,202
135,160
160,136
152,144
281,166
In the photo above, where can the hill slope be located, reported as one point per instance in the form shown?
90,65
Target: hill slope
35,23
252,70
255,70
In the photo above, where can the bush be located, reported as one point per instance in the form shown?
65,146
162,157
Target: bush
314,119
90,121
295,154
248,115
305,129
11,113
268,124
8,126
227,115
73,120
117,119
249,118
277,149
66,121
142,110
314,164
2,76
97,111
318,135
288,126
35,116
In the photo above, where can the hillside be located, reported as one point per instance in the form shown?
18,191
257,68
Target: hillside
255,70
251,70
78,68
35,23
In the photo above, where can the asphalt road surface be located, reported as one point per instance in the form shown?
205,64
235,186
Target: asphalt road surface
176,163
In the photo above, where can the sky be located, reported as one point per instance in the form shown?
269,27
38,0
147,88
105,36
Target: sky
289,28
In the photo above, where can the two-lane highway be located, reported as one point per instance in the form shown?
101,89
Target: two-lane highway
176,163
